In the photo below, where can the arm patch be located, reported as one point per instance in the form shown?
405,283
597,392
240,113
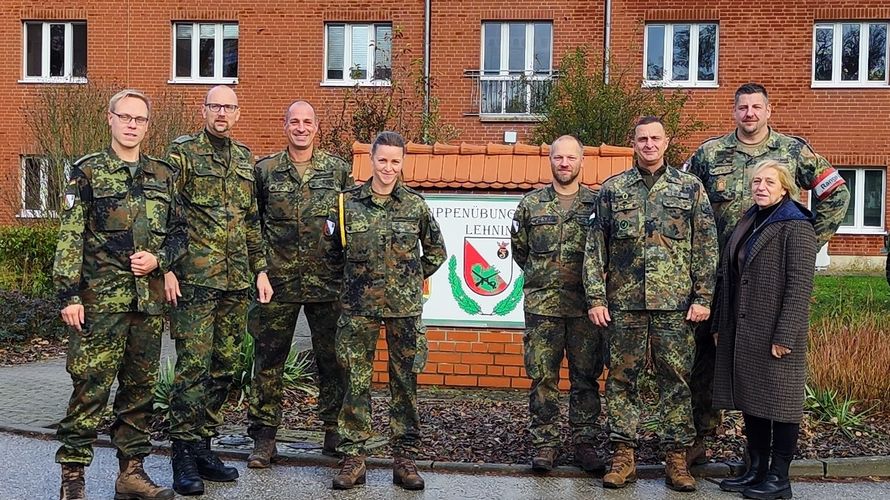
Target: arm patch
826,183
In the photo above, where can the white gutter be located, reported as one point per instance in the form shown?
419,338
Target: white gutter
607,42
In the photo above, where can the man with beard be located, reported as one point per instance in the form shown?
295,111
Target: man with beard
549,233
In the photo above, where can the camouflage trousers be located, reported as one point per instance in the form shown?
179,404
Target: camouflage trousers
664,339
547,339
701,382
355,344
122,345
208,326
272,327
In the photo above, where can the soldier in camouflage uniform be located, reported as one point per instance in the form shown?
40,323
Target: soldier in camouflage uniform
296,189
649,270
378,233
725,165
548,238
225,256
121,230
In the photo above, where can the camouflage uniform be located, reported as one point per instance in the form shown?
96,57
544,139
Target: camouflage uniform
651,254
216,275
548,244
108,215
725,167
293,211
383,281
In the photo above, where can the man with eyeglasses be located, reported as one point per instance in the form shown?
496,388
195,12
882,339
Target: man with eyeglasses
121,230
211,286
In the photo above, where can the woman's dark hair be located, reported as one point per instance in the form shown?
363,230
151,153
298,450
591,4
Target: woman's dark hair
388,138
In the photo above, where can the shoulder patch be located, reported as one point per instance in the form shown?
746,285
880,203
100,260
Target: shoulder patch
412,191
270,156
162,161
240,144
355,187
86,157
183,139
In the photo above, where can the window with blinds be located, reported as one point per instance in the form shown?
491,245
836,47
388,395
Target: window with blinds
358,53
205,52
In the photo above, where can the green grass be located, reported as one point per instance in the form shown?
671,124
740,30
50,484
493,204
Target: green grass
846,296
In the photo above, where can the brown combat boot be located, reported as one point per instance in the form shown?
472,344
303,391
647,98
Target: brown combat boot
134,484
73,487
352,473
264,449
543,459
677,476
586,457
623,469
697,454
404,474
331,441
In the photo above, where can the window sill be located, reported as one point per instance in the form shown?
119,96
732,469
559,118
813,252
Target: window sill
873,231
364,83
203,81
647,84
510,117
74,81
849,85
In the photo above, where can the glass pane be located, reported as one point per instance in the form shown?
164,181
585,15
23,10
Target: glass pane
206,57
707,52
517,99
681,52
57,50
382,51
874,198
207,30
850,178
31,171
79,50
490,96
850,52
877,52
491,48
824,54
34,44
359,64
230,57
543,38
183,50
540,92
336,34
230,31
654,52
516,55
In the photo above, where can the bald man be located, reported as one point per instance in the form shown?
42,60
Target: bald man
211,285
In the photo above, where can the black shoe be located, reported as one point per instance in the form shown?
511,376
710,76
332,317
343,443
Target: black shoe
755,474
776,485
210,467
186,480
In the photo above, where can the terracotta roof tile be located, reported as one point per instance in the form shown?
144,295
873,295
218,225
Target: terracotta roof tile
492,166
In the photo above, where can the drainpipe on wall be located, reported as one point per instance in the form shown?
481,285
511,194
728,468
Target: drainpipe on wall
427,86
607,41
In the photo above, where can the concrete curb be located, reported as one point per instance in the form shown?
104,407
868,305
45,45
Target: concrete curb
878,466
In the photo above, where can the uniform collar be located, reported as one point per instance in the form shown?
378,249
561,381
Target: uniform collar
670,174
114,162
286,163
365,191
771,142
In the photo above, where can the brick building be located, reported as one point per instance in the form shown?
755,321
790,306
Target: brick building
826,83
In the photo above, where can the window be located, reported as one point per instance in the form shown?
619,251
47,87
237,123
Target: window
357,53
39,188
517,68
205,52
54,52
867,186
850,54
680,55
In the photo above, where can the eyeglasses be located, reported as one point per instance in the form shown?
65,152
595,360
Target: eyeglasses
216,108
140,120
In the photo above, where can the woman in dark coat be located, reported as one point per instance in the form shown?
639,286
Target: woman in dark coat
762,321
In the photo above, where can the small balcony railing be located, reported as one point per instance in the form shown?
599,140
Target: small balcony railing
514,95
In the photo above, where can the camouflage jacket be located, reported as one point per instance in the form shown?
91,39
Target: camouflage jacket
225,239
725,169
548,244
107,216
293,212
384,269
651,249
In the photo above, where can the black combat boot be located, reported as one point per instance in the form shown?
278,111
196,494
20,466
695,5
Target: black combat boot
776,485
186,480
210,467
755,474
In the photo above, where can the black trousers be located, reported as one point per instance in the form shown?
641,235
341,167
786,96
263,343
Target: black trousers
767,436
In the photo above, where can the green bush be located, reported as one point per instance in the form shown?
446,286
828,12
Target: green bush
26,258
25,317
827,406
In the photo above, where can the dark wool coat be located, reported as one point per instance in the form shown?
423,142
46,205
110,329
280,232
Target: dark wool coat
766,303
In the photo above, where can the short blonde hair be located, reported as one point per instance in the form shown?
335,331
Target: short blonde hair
112,103
785,177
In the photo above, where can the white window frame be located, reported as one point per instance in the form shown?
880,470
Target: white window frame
504,66
858,202
668,56
347,80
217,77
837,55
45,54
31,213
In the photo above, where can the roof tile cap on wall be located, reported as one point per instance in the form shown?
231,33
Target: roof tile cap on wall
491,166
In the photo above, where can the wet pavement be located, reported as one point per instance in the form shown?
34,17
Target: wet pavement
29,472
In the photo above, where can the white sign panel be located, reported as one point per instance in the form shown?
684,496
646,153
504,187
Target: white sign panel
479,284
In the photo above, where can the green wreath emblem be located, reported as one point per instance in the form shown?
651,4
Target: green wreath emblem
469,305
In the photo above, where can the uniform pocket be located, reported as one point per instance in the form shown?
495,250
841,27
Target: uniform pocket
626,218
157,205
404,238
543,233
357,240
243,195
281,203
110,211
721,185
678,211
205,188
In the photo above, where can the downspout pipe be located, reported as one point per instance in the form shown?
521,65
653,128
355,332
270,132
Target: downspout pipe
607,41
427,84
